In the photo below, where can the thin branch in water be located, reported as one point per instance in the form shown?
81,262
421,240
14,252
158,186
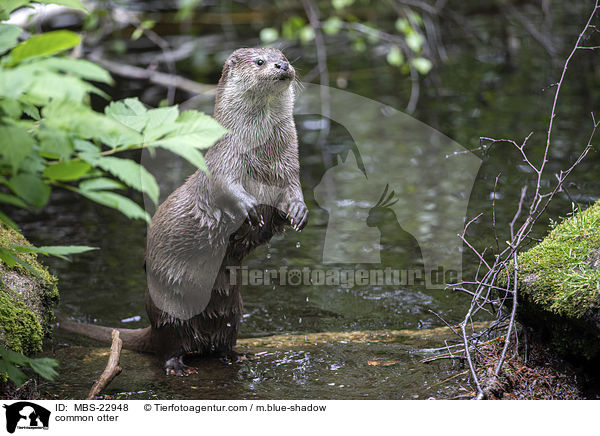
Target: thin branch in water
112,367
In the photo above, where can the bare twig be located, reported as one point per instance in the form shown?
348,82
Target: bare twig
156,77
312,13
544,40
506,259
112,367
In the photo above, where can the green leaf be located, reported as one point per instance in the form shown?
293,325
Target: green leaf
54,143
359,45
61,251
403,26
28,267
395,56
65,250
17,376
414,40
341,4
160,122
9,35
135,105
78,67
15,145
130,112
11,108
31,110
192,140
33,164
291,27
129,171
31,189
49,85
123,204
43,45
197,122
8,257
166,125
7,6
268,35
137,33
10,359
13,357
307,34
422,65
11,199
85,123
75,4
44,366
86,146
67,170
415,18
100,184
8,222
332,25
193,131
13,83
190,153
148,24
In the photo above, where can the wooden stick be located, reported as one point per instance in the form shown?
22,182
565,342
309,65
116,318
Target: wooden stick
112,367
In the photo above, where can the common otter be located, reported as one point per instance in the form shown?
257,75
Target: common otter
211,222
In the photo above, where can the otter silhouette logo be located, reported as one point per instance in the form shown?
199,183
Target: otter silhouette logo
26,415
430,174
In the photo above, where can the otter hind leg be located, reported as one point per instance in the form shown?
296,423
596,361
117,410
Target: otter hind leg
175,366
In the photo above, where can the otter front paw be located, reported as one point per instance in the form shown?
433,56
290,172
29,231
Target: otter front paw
248,206
175,366
296,213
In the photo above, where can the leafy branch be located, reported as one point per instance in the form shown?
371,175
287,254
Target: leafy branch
51,138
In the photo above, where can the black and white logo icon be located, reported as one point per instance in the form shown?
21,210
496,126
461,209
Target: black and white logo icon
26,415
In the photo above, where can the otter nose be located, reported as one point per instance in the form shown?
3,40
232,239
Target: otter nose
282,66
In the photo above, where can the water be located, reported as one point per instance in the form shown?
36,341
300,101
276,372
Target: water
474,93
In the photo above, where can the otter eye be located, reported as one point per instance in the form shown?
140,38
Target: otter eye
260,62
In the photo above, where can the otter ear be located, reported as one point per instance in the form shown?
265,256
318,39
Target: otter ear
228,66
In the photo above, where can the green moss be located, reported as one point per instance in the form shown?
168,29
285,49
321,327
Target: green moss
10,237
559,285
20,329
26,299
557,274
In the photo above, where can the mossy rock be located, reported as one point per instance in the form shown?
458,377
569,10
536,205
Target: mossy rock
559,285
27,299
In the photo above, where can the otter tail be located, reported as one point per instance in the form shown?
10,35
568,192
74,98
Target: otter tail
133,339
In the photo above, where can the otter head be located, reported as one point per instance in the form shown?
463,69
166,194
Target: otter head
257,70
